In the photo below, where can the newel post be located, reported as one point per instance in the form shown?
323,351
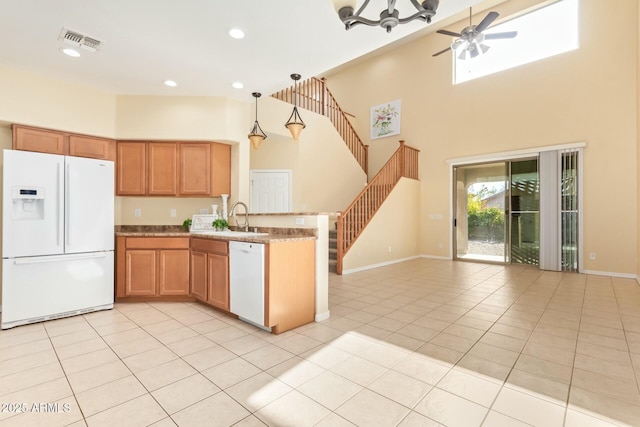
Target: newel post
340,246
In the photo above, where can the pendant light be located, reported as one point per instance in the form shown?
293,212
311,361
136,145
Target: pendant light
257,135
295,123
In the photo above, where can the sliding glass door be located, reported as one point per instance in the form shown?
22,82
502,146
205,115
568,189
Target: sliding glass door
481,204
497,212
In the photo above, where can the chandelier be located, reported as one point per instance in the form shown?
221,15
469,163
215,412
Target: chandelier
389,17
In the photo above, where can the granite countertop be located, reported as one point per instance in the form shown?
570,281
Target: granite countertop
275,234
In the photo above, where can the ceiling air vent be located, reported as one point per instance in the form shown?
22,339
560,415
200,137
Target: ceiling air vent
76,39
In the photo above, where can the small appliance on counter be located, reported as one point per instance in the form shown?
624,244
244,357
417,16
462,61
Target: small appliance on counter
57,239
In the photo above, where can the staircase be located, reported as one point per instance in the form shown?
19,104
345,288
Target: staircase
351,222
314,95
333,251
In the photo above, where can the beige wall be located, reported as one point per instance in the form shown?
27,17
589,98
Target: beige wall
585,95
325,175
39,101
393,233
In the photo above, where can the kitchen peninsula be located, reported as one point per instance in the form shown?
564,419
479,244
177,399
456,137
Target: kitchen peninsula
160,263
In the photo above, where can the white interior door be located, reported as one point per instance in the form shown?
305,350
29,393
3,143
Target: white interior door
270,191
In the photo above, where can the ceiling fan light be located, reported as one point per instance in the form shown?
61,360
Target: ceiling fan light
484,48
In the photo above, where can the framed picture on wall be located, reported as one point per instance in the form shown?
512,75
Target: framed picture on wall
385,119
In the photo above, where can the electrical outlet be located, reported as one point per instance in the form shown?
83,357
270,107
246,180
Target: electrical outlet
299,221
172,213
389,248
440,245
592,255
137,212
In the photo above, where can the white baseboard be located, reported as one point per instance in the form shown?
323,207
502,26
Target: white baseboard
378,265
608,273
323,316
445,258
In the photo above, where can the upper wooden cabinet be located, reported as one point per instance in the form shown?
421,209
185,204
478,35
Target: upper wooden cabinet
195,169
187,169
131,169
162,164
95,148
40,140
54,142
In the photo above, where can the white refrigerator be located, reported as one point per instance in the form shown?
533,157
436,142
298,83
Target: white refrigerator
57,236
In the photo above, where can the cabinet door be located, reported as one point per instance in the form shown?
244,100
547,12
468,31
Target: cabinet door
218,280
40,140
199,275
131,169
220,169
195,169
163,169
173,273
95,148
140,273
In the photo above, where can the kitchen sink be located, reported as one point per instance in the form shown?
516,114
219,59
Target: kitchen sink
228,233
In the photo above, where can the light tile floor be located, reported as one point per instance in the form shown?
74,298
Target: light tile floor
422,343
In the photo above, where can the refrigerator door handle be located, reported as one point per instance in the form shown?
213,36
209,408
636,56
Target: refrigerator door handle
67,199
57,258
59,205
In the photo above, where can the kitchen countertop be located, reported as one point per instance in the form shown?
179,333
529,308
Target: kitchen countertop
275,234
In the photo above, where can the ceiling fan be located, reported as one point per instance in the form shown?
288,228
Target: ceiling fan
469,42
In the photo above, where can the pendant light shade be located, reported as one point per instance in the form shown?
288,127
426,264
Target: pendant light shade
256,136
295,123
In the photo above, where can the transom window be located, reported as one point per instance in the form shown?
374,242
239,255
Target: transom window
542,33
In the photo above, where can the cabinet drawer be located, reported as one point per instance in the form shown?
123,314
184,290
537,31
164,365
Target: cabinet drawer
206,245
157,243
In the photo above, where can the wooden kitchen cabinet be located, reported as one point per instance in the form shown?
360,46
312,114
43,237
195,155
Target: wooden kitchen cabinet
140,273
39,140
56,142
152,266
220,169
173,272
162,164
198,169
210,271
91,147
195,169
131,169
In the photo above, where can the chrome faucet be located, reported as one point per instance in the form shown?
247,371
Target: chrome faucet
246,215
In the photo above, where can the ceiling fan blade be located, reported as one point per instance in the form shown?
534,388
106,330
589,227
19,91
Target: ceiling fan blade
449,33
491,16
504,35
442,51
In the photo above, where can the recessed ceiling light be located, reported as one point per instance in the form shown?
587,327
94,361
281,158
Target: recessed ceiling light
238,85
170,83
236,33
71,52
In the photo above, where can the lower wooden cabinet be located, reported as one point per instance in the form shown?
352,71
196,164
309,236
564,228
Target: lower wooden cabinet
210,272
152,266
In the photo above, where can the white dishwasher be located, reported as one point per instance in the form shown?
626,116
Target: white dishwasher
246,281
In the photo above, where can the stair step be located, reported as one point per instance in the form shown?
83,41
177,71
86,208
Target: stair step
333,234
333,266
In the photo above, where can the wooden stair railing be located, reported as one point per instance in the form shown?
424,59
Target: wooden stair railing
351,222
314,95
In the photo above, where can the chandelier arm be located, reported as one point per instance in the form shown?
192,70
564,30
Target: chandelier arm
424,15
417,5
354,20
364,5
